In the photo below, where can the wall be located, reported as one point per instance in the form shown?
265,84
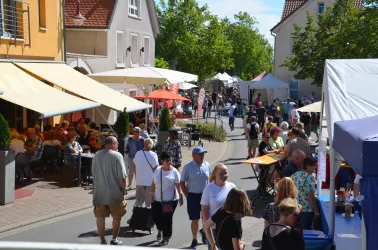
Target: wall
283,46
46,44
87,42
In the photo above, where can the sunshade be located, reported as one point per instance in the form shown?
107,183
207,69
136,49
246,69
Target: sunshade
75,82
186,86
313,107
162,95
22,89
269,82
144,75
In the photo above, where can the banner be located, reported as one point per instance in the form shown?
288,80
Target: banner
174,88
201,97
322,162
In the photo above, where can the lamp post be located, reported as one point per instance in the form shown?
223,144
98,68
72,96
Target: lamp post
78,19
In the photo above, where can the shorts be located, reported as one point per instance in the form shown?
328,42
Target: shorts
253,143
117,210
231,120
194,206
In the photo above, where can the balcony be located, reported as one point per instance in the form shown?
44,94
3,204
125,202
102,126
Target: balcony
15,22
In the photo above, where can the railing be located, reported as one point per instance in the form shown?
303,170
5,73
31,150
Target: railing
15,22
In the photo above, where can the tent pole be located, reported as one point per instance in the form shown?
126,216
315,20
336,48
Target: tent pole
103,117
332,193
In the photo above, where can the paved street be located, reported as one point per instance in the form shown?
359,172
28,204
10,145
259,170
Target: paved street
79,227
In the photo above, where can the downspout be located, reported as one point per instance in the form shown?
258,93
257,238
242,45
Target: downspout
64,31
274,55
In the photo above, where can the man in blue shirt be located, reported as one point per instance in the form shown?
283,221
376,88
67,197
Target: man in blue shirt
287,107
194,178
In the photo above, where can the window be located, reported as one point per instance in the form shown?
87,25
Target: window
134,50
120,48
132,92
8,18
134,8
146,60
294,89
321,7
42,13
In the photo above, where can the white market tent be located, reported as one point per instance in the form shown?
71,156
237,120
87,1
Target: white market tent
313,107
348,94
275,88
226,79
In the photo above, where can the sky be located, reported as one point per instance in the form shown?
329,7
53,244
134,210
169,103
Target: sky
267,12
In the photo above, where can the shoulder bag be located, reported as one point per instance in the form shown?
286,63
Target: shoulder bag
152,168
220,228
166,206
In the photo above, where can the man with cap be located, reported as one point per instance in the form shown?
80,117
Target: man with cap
194,178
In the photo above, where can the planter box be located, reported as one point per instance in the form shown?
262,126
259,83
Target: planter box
7,176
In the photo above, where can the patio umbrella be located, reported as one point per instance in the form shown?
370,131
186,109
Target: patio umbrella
143,75
162,95
313,107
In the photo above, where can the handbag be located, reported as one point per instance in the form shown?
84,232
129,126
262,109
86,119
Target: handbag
220,228
152,168
166,206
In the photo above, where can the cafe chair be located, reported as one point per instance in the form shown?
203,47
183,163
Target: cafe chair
71,162
23,166
50,154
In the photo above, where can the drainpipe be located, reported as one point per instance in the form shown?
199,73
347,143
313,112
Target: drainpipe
274,55
64,31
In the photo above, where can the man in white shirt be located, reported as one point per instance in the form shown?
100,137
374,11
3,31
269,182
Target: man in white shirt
294,113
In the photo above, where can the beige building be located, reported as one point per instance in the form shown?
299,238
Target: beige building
295,12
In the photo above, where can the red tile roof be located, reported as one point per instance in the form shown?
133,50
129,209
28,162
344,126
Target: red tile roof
259,77
292,5
97,12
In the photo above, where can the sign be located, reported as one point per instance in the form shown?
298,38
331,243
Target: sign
322,162
174,87
201,97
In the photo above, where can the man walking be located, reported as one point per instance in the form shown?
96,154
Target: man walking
194,178
204,107
231,119
109,188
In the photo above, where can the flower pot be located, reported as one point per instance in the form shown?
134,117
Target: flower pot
7,176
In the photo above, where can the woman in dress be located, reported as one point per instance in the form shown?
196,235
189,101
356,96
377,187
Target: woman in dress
165,194
228,222
215,193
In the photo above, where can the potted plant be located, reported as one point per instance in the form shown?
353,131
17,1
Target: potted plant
165,124
7,164
121,127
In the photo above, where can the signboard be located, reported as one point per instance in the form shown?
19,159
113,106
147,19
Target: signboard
174,88
201,97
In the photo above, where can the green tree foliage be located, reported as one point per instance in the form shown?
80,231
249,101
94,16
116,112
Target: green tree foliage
161,63
5,135
165,122
252,53
341,32
121,126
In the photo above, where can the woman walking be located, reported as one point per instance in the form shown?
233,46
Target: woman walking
165,194
173,146
215,193
134,144
228,222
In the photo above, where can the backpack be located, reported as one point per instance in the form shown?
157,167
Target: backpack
253,131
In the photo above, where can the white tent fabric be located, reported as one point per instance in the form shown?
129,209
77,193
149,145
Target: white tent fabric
1,91
186,86
144,75
348,91
313,107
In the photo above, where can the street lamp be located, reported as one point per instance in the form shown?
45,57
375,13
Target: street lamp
78,19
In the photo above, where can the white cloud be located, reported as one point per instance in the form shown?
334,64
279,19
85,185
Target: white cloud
266,12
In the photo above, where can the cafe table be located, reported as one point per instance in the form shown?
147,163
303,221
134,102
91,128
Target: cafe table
82,155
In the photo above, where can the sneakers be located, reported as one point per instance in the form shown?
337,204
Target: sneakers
159,235
204,239
194,244
104,242
116,241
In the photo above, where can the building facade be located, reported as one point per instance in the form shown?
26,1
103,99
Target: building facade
295,12
116,34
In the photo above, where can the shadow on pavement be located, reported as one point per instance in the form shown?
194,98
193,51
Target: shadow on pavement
124,232
148,244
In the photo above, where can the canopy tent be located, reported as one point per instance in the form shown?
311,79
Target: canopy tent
357,142
186,86
225,78
24,90
347,95
313,107
162,95
75,82
1,91
275,88
144,75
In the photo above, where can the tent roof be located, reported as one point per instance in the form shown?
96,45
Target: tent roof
269,82
357,142
259,77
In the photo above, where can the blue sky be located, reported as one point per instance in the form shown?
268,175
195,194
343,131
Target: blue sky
267,12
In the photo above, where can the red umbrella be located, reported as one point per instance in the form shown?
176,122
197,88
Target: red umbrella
140,97
162,95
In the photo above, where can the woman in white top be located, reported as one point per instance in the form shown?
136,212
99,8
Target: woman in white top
165,194
215,193
16,144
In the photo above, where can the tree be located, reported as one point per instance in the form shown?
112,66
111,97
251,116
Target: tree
121,126
192,39
5,136
341,32
252,53
161,63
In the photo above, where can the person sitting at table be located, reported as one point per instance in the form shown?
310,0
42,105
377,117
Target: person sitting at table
275,139
143,131
94,142
34,144
52,141
173,146
264,146
72,145
64,127
17,145
305,182
296,142
46,131
38,131
295,164
280,235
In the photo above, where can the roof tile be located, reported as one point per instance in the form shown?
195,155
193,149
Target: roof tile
97,12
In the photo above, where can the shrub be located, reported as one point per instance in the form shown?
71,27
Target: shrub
207,131
121,126
165,123
5,135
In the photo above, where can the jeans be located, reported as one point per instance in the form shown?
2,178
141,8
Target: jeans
209,111
204,113
240,111
306,219
286,117
162,220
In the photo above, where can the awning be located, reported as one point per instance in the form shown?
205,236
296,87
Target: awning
75,82
22,89
1,91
